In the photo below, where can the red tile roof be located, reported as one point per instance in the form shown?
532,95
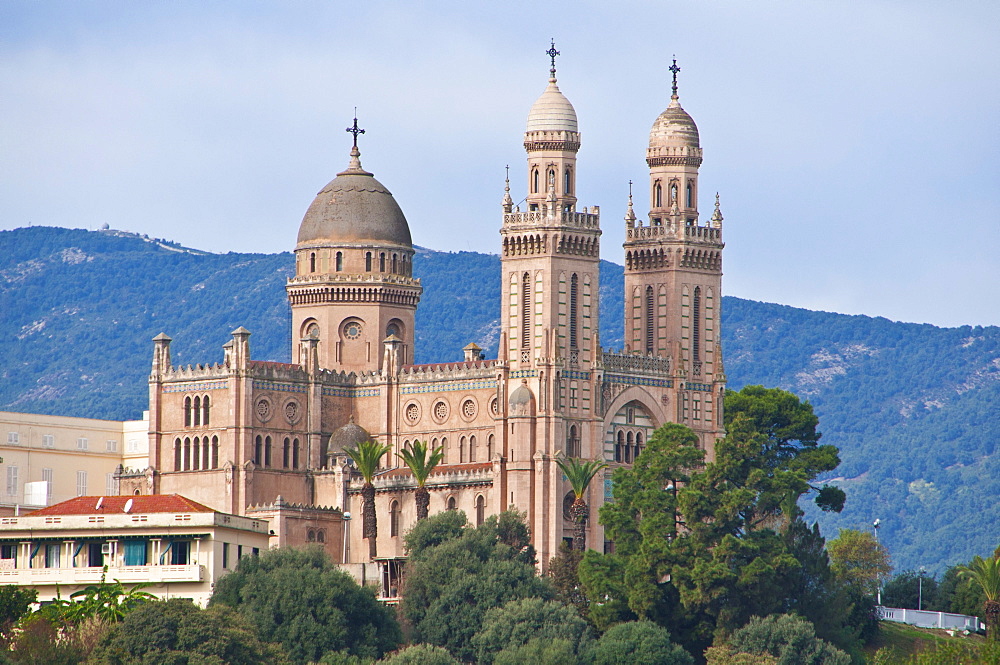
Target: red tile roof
439,469
142,504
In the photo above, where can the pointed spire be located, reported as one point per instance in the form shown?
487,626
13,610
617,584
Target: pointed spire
717,215
630,214
552,53
508,203
354,167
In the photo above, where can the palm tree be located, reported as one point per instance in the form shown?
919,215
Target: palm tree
366,458
986,573
579,474
421,464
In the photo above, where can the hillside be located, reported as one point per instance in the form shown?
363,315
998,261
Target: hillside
909,405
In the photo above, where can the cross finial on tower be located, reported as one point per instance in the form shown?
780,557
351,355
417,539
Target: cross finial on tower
355,129
674,68
552,53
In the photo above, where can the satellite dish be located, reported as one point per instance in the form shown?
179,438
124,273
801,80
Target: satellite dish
100,500
128,505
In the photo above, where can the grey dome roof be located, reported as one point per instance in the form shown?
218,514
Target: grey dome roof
552,112
522,395
348,436
354,207
674,128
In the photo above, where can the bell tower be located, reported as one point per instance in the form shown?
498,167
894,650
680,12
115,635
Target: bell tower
673,263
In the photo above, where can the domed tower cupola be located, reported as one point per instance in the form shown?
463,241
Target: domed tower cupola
552,139
353,235
673,156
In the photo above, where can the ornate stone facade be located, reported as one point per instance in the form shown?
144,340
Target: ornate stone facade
239,435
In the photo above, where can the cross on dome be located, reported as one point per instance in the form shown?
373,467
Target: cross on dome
355,129
674,68
552,53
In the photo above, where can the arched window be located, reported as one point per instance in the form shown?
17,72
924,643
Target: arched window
215,452
473,452
368,261
196,411
628,448
638,444
285,450
619,447
550,180
673,193
525,311
690,196
394,518
204,410
196,454
267,451
461,451
206,454
567,182
311,536
480,510
573,288
321,536
452,504
572,443
187,411
657,195
696,324
534,181
295,454
340,261
177,455
394,270
187,454
449,458
381,262
257,450
650,320
312,262
434,445
489,447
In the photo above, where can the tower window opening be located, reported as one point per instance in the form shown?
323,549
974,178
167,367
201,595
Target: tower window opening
285,450
696,325
394,519
690,196
204,410
177,455
534,181
573,443
187,454
394,264
650,327
197,411
215,452
657,195
267,451
552,178
525,311
567,182
381,262
340,261
257,449
619,445
312,262
573,288
452,504
673,193
368,261
628,448
187,412
295,454
480,510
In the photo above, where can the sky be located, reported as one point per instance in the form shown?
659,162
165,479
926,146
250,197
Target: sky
855,145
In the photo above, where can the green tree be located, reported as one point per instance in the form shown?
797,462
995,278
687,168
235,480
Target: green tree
912,589
564,574
177,632
579,474
858,559
789,638
421,463
420,654
959,594
367,457
15,602
298,598
519,621
638,643
541,651
986,575
41,640
450,586
107,601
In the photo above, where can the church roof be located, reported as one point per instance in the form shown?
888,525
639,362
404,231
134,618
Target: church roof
552,112
354,208
141,504
674,128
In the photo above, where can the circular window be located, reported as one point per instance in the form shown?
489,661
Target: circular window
412,413
494,407
292,412
469,409
263,409
352,330
440,411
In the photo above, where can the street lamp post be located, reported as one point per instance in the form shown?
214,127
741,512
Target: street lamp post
920,589
878,589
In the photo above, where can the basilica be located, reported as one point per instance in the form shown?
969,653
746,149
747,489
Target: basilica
266,439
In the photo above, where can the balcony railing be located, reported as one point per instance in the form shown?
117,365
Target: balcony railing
92,575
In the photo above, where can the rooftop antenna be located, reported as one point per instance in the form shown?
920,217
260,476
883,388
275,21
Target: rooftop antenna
128,506
100,500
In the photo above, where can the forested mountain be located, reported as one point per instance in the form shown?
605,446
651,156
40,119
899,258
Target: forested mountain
910,406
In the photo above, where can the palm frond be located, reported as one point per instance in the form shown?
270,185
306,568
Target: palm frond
366,457
580,473
420,461
986,574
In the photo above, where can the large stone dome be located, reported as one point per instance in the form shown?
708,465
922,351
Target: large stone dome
552,112
353,208
348,436
674,128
